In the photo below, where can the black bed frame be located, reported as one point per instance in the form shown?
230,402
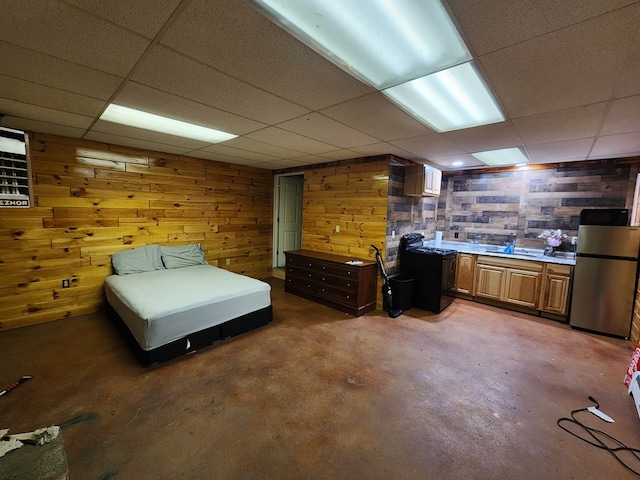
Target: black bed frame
193,341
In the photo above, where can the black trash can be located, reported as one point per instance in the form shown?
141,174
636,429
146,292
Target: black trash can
401,292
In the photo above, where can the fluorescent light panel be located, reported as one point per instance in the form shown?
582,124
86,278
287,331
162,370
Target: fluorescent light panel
504,156
409,49
448,100
383,43
156,123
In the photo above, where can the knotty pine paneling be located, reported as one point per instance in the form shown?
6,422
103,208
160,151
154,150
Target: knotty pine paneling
94,199
353,197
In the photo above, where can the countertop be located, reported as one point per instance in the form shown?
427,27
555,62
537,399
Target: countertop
565,258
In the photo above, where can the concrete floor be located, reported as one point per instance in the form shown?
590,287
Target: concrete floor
472,393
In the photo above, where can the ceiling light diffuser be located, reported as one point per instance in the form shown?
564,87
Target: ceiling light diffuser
383,42
451,99
505,156
156,123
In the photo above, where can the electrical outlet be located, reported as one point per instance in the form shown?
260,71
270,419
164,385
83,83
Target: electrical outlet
455,235
574,240
228,261
65,283
337,228
393,234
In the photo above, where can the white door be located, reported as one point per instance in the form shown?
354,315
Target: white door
289,220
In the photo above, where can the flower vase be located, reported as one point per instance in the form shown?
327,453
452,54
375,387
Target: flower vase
549,251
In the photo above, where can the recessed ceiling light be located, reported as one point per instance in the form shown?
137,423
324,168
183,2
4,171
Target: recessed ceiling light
457,163
504,156
156,123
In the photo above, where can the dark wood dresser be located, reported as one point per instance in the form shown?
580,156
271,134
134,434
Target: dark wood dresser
328,279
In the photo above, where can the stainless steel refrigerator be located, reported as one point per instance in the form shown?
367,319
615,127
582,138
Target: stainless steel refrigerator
605,279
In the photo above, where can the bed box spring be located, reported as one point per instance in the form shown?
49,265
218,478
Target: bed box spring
194,341
171,312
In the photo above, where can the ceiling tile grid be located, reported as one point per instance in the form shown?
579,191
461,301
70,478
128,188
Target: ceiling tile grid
565,73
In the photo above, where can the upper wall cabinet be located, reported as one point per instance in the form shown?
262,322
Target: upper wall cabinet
422,181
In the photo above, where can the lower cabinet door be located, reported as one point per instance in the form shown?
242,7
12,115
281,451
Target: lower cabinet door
490,282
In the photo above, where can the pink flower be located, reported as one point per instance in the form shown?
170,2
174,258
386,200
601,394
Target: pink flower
554,237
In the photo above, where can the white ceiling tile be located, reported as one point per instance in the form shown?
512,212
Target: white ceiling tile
221,157
27,111
325,129
242,42
134,143
179,75
575,66
71,34
559,151
613,146
147,135
340,155
286,139
224,149
244,143
384,148
375,115
428,146
150,100
41,127
490,25
145,17
486,137
572,123
623,117
54,72
628,84
32,93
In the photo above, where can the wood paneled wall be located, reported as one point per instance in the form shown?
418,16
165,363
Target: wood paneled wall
95,199
351,196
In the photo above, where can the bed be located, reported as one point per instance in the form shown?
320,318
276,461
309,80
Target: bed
168,301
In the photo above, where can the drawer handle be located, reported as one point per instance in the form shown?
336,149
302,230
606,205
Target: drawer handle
348,284
348,273
310,264
323,279
348,296
309,275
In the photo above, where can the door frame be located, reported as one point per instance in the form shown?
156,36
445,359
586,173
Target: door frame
276,209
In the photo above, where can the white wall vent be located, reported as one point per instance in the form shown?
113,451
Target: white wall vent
15,171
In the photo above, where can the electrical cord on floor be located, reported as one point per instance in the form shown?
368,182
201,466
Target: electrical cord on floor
597,436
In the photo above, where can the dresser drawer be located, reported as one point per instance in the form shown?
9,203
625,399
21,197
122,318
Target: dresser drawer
338,270
301,285
346,298
346,284
302,262
302,273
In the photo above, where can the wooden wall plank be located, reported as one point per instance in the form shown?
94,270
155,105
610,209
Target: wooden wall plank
95,199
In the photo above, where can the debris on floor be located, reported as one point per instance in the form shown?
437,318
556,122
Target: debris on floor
37,437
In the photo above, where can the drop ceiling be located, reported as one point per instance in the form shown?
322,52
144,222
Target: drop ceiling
566,74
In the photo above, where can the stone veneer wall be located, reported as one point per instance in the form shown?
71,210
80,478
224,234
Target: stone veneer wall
497,207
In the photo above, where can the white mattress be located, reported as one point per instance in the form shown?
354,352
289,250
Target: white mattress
166,305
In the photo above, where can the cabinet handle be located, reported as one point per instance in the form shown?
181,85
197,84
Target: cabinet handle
348,273
323,279
348,284
309,275
348,297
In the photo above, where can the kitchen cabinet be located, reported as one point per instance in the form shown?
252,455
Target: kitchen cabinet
509,280
554,296
529,284
422,181
464,273
328,279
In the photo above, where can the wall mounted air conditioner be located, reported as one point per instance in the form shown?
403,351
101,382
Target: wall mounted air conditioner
15,171
422,181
